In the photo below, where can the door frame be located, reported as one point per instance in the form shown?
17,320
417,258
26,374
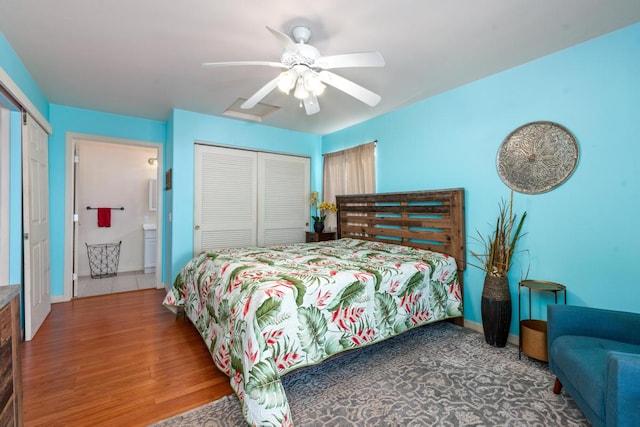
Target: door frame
5,153
70,261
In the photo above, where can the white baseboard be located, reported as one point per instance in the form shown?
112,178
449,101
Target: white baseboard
59,298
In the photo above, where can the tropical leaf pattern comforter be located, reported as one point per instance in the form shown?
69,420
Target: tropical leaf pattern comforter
264,312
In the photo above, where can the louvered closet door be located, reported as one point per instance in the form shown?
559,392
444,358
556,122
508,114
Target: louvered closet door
225,187
283,189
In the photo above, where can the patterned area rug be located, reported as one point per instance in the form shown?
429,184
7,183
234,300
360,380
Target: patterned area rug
440,374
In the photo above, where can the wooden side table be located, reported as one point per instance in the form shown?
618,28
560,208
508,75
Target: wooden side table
533,332
320,237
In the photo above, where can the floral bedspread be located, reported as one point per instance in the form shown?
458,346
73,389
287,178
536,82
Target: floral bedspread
264,312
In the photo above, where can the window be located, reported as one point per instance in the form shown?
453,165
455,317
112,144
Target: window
350,171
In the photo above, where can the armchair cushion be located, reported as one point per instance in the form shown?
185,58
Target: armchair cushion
595,354
584,361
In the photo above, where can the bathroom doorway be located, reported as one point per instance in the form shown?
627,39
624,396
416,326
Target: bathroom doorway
116,215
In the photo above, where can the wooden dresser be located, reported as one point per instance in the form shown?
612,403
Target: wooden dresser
10,363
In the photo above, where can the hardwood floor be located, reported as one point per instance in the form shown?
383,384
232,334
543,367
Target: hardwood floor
120,359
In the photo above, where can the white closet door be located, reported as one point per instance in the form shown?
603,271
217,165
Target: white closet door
283,189
225,213
35,209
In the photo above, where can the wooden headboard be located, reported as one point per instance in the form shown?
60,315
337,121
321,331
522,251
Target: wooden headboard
432,220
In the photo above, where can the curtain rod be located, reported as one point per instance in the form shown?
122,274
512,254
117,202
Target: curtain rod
374,142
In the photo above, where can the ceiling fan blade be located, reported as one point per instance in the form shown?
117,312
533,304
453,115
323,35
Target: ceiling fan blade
260,94
311,105
233,63
363,59
350,88
288,44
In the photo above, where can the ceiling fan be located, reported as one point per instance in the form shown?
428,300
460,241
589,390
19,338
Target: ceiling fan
306,71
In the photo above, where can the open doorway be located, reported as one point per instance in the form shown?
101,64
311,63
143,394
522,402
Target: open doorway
115,230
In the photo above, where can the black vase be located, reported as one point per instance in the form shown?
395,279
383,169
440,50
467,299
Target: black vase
496,310
318,226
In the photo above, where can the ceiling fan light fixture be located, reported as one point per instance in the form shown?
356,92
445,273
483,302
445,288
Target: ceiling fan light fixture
287,81
312,83
301,92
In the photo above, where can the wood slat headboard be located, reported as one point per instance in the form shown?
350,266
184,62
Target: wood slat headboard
432,220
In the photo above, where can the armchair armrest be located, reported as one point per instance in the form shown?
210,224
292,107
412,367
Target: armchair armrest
592,322
622,395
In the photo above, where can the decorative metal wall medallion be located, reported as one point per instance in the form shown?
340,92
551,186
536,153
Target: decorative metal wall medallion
537,157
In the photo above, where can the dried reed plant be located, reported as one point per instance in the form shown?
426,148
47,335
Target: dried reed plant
499,247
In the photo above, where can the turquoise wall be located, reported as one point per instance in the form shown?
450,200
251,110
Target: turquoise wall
188,127
581,234
68,119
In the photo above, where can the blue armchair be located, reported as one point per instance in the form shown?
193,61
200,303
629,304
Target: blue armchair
595,355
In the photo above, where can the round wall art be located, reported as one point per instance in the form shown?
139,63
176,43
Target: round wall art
537,157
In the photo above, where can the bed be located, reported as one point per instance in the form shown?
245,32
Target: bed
264,312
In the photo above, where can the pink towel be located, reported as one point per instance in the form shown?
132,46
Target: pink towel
104,217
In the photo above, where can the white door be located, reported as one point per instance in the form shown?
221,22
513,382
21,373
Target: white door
283,194
35,189
224,198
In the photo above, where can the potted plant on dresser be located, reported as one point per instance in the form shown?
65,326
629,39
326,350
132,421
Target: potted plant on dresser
495,259
321,208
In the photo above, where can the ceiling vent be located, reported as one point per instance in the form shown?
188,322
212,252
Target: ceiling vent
255,114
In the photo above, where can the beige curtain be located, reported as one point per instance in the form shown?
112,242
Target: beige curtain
351,171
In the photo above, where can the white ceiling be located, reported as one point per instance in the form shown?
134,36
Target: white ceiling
143,57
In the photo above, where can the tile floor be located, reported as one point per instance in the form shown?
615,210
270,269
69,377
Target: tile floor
123,282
